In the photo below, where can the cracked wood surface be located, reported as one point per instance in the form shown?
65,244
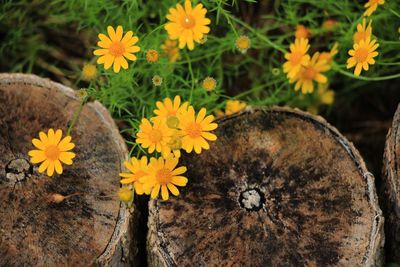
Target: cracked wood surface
88,228
279,187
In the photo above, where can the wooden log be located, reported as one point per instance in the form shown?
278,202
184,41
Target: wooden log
278,188
90,227
390,190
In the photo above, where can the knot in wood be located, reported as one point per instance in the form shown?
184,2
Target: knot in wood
252,199
17,170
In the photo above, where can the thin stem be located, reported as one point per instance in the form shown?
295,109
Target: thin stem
76,116
349,74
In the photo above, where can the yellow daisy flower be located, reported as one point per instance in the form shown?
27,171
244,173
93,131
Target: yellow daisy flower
209,84
157,80
168,111
363,31
82,94
362,55
51,151
329,24
297,57
243,43
154,137
328,56
233,106
89,72
125,195
137,169
163,174
371,6
116,47
171,50
301,32
195,131
152,56
187,24
326,96
309,73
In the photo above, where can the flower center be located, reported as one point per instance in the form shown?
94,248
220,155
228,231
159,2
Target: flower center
296,58
175,143
163,176
155,136
52,152
188,22
194,130
172,122
309,73
117,49
361,54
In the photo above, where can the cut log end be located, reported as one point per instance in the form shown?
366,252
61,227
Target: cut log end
391,190
278,188
38,225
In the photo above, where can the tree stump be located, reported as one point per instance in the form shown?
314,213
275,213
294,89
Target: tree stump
391,189
278,188
90,227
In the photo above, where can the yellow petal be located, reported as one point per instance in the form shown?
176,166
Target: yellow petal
174,190
155,191
50,168
164,192
179,180
44,166
38,144
58,167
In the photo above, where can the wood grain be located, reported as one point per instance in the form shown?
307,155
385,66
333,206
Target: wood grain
278,188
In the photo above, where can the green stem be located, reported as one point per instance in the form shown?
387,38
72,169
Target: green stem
76,116
349,74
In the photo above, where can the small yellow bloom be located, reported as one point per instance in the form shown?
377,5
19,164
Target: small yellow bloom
154,137
187,24
81,93
276,71
363,31
371,6
171,50
125,195
329,24
157,80
209,84
169,112
302,32
52,150
204,39
163,174
233,106
175,144
116,47
309,73
89,72
196,130
137,169
326,96
152,56
243,43
362,55
297,57
328,56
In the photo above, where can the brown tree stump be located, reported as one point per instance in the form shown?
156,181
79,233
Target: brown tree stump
391,190
278,188
86,229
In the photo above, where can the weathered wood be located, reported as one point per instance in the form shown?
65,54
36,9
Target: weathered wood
391,190
88,228
278,188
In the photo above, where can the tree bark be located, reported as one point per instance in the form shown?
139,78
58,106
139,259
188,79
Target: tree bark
88,228
391,190
278,188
